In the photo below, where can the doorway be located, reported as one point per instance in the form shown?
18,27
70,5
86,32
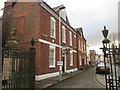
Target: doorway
64,63
82,62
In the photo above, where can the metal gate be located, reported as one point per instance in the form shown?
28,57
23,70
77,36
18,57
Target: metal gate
18,65
111,56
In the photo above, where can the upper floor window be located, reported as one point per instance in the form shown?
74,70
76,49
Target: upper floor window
82,46
63,34
51,56
52,27
75,40
70,36
79,44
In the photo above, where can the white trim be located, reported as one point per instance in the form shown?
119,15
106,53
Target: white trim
75,41
52,18
71,70
71,59
74,51
49,43
70,38
44,76
65,63
75,36
53,44
80,60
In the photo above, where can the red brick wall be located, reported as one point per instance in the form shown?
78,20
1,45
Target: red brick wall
33,21
80,51
45,29
28,29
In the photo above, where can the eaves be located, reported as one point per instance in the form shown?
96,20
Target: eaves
51,11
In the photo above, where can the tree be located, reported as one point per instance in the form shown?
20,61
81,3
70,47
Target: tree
113,37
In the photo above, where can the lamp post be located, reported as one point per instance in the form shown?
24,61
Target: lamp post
60,67
112,80
105,42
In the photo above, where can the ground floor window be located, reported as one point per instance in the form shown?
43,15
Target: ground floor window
71,58
51,56
80,60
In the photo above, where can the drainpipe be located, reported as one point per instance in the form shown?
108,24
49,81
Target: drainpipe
77,50
60,51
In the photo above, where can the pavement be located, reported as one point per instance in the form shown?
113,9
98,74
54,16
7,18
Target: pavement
53,80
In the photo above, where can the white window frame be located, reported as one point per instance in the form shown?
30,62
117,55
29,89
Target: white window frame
70,38
52,48
71,58
63,34
80,60
54,35
75,40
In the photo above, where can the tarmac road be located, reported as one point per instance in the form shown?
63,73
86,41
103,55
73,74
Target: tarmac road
86,79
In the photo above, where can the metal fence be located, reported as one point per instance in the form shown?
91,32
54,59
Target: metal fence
18,66
18,69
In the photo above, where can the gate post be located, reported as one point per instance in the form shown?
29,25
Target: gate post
8,62
32,64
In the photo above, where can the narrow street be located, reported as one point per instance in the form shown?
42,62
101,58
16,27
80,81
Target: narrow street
87,79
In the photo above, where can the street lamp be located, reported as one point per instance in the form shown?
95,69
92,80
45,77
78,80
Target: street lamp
105,32
105,42
112,81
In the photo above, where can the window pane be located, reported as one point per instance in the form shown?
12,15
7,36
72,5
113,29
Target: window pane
70,38
52,28
63,34
71,58
51,57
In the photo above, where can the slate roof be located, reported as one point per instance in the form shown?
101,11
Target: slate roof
58,7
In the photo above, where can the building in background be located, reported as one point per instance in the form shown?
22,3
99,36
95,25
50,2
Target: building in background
93,59
81,49
98,59
55,39
88,54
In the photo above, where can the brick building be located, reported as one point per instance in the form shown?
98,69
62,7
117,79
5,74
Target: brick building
93,57
81,49
55,39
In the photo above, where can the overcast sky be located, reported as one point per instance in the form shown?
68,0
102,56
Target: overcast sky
91,15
